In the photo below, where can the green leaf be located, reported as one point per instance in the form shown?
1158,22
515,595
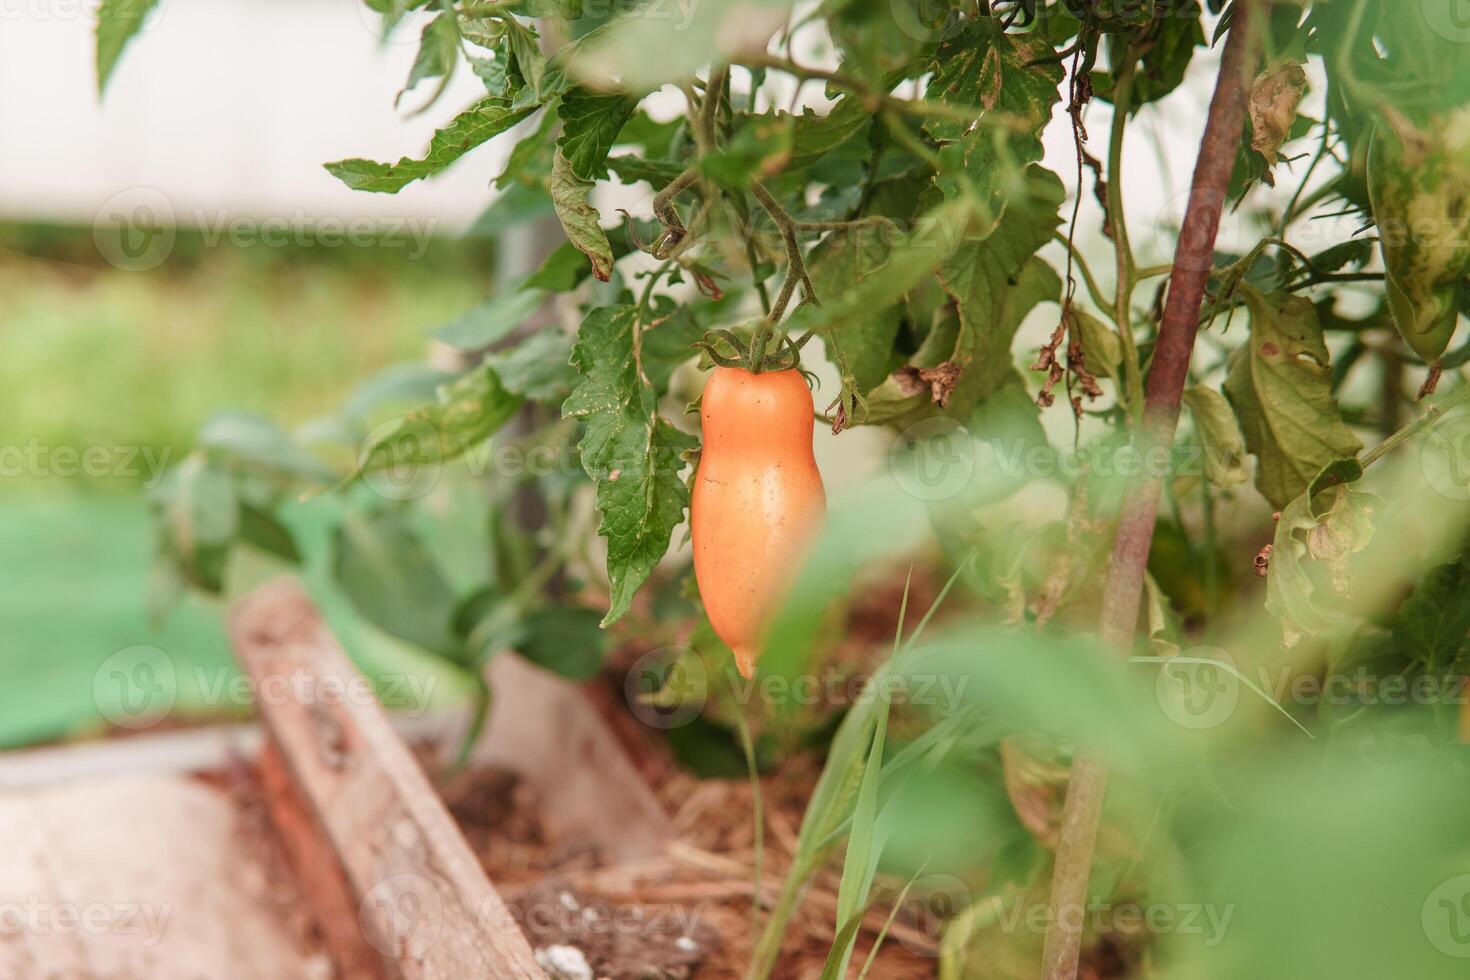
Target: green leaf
201,508
529,163
590,124
842,260
259,442
995,282
668,342
1433,623
261,530
394,388
864,847
525,49
487,118
1014,74
631,169
814,136
1164,63
933,236
1219,435
117,23
517,205
579,219
631,453
199,513
1280,385
491,71
563,269
438,52
759,146
538,367
566,641
391,579
493,320
656,138
639,52
878,36
465,413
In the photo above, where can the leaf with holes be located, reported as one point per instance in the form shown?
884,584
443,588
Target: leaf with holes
1280,385
590,123
482,121
1010,75
631,453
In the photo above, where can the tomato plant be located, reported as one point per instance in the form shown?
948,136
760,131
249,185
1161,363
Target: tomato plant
868,197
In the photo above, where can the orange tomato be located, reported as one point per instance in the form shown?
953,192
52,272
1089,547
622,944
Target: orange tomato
758,500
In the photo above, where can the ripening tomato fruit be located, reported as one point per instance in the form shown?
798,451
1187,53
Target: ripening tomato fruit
757,501
1419,185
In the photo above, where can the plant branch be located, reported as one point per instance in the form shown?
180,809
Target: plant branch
876,100
1093,290
1431,415
1193,262
796,273
1118,223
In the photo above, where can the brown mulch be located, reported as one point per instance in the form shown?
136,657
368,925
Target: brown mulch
687,914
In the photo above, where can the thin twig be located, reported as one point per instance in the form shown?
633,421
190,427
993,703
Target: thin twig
796,273
1118,223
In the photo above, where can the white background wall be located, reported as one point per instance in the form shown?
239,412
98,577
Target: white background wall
230,104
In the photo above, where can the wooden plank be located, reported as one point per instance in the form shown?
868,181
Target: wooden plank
424,901
136,876
551,732
319,873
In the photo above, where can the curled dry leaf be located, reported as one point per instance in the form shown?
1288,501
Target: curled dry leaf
1273,104
1036,786
939,380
